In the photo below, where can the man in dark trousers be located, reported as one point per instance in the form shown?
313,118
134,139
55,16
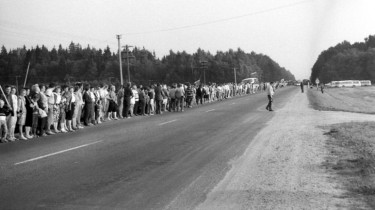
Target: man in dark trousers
270,92
301,86
87,108
199,95
159,95
128,94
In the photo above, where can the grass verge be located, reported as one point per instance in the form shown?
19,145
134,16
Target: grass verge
352,159
359,100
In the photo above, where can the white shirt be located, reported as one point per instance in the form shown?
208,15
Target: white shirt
92,95
58,98
270,90
73,98
15,104
132,100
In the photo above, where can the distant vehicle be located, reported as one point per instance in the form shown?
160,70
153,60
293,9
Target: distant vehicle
335,83
297,83
365,82
329,84
253,81
347,83
250,80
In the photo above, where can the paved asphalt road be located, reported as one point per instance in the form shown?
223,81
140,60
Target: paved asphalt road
161,162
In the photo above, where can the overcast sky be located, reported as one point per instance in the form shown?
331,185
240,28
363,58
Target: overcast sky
292,32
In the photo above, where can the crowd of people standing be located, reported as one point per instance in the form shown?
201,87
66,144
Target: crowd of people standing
47,110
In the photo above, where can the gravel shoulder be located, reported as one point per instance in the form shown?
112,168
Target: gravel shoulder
282,167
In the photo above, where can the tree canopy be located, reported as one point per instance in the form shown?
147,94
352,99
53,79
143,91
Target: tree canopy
77,63
346,61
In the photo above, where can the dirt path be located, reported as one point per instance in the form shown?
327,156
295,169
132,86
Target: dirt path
281,168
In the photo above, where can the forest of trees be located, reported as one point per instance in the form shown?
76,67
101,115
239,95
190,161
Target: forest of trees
76,63
346,61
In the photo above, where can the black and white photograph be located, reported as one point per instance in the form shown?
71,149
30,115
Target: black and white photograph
187,104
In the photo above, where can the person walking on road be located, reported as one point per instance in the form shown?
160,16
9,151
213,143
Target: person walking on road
302,87
270,92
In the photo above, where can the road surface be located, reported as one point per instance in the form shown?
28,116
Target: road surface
171,161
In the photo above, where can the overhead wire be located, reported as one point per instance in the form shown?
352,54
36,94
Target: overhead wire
20,28
221,20
47,33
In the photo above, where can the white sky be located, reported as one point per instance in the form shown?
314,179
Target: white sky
292,32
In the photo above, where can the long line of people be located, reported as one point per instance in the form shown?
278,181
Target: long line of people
41,110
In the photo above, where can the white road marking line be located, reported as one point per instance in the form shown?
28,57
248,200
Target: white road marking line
167,122
210,110
55,153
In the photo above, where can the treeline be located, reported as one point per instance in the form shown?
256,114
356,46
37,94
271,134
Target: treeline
76,63
346,61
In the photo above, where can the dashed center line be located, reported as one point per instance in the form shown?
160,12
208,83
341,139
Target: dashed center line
167,122
210,110
56,153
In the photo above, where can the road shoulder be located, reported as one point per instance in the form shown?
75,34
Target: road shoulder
282,167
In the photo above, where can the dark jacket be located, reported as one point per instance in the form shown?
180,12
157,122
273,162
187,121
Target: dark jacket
128,93
159,94
4,111
200,92
87,98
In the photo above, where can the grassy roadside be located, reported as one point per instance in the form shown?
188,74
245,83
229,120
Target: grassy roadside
352,159
351,146
360,99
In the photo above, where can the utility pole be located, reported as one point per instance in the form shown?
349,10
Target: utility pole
127,59
119,58
204,67
235,77
27,72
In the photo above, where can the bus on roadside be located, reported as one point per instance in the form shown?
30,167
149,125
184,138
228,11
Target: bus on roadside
347,83
365,82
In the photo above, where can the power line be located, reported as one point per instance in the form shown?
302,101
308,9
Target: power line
16,28
221,20
20,28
